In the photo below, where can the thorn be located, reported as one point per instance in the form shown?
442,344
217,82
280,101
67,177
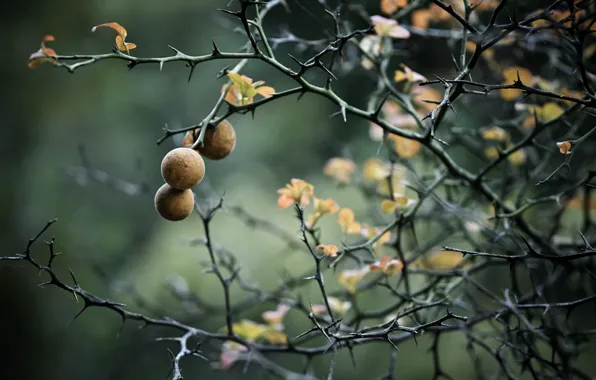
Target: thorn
178,52
215,51
73,278
192,66
301,94
381,104
77,315
343,112
223,72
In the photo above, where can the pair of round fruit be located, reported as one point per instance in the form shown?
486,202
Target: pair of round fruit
183,168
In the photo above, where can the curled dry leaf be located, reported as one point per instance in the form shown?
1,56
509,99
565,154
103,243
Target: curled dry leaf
329,250
120,38
43,55
565,147
387,265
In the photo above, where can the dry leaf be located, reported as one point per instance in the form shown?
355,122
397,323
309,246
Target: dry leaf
120,38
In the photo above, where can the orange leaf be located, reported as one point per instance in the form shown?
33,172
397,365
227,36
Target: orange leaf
391,6
421,18
114,25
44,54
329,250
120,38
564,147
404,147
265,91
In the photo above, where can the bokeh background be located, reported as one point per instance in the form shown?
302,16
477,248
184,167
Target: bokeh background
108,118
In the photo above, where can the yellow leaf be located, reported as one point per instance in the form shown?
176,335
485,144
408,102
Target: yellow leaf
329,250
510,75
245,87
375,170
550,111
248,330
340,169
350,279
442,260
347,221
274,336
338,306
388,206
491,152
495,134
518,157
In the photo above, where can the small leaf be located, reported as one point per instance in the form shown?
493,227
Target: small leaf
265,91
388,206
329,250
565,147
121,43
389,7
43,55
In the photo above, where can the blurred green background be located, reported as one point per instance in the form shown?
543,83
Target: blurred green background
114,116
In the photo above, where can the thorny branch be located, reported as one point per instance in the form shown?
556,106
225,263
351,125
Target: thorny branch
525,241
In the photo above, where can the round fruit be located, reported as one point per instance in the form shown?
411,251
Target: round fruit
183,168
219,142
173,204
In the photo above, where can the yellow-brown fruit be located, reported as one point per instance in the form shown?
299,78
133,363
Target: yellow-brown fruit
182,168
219,142
173,204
